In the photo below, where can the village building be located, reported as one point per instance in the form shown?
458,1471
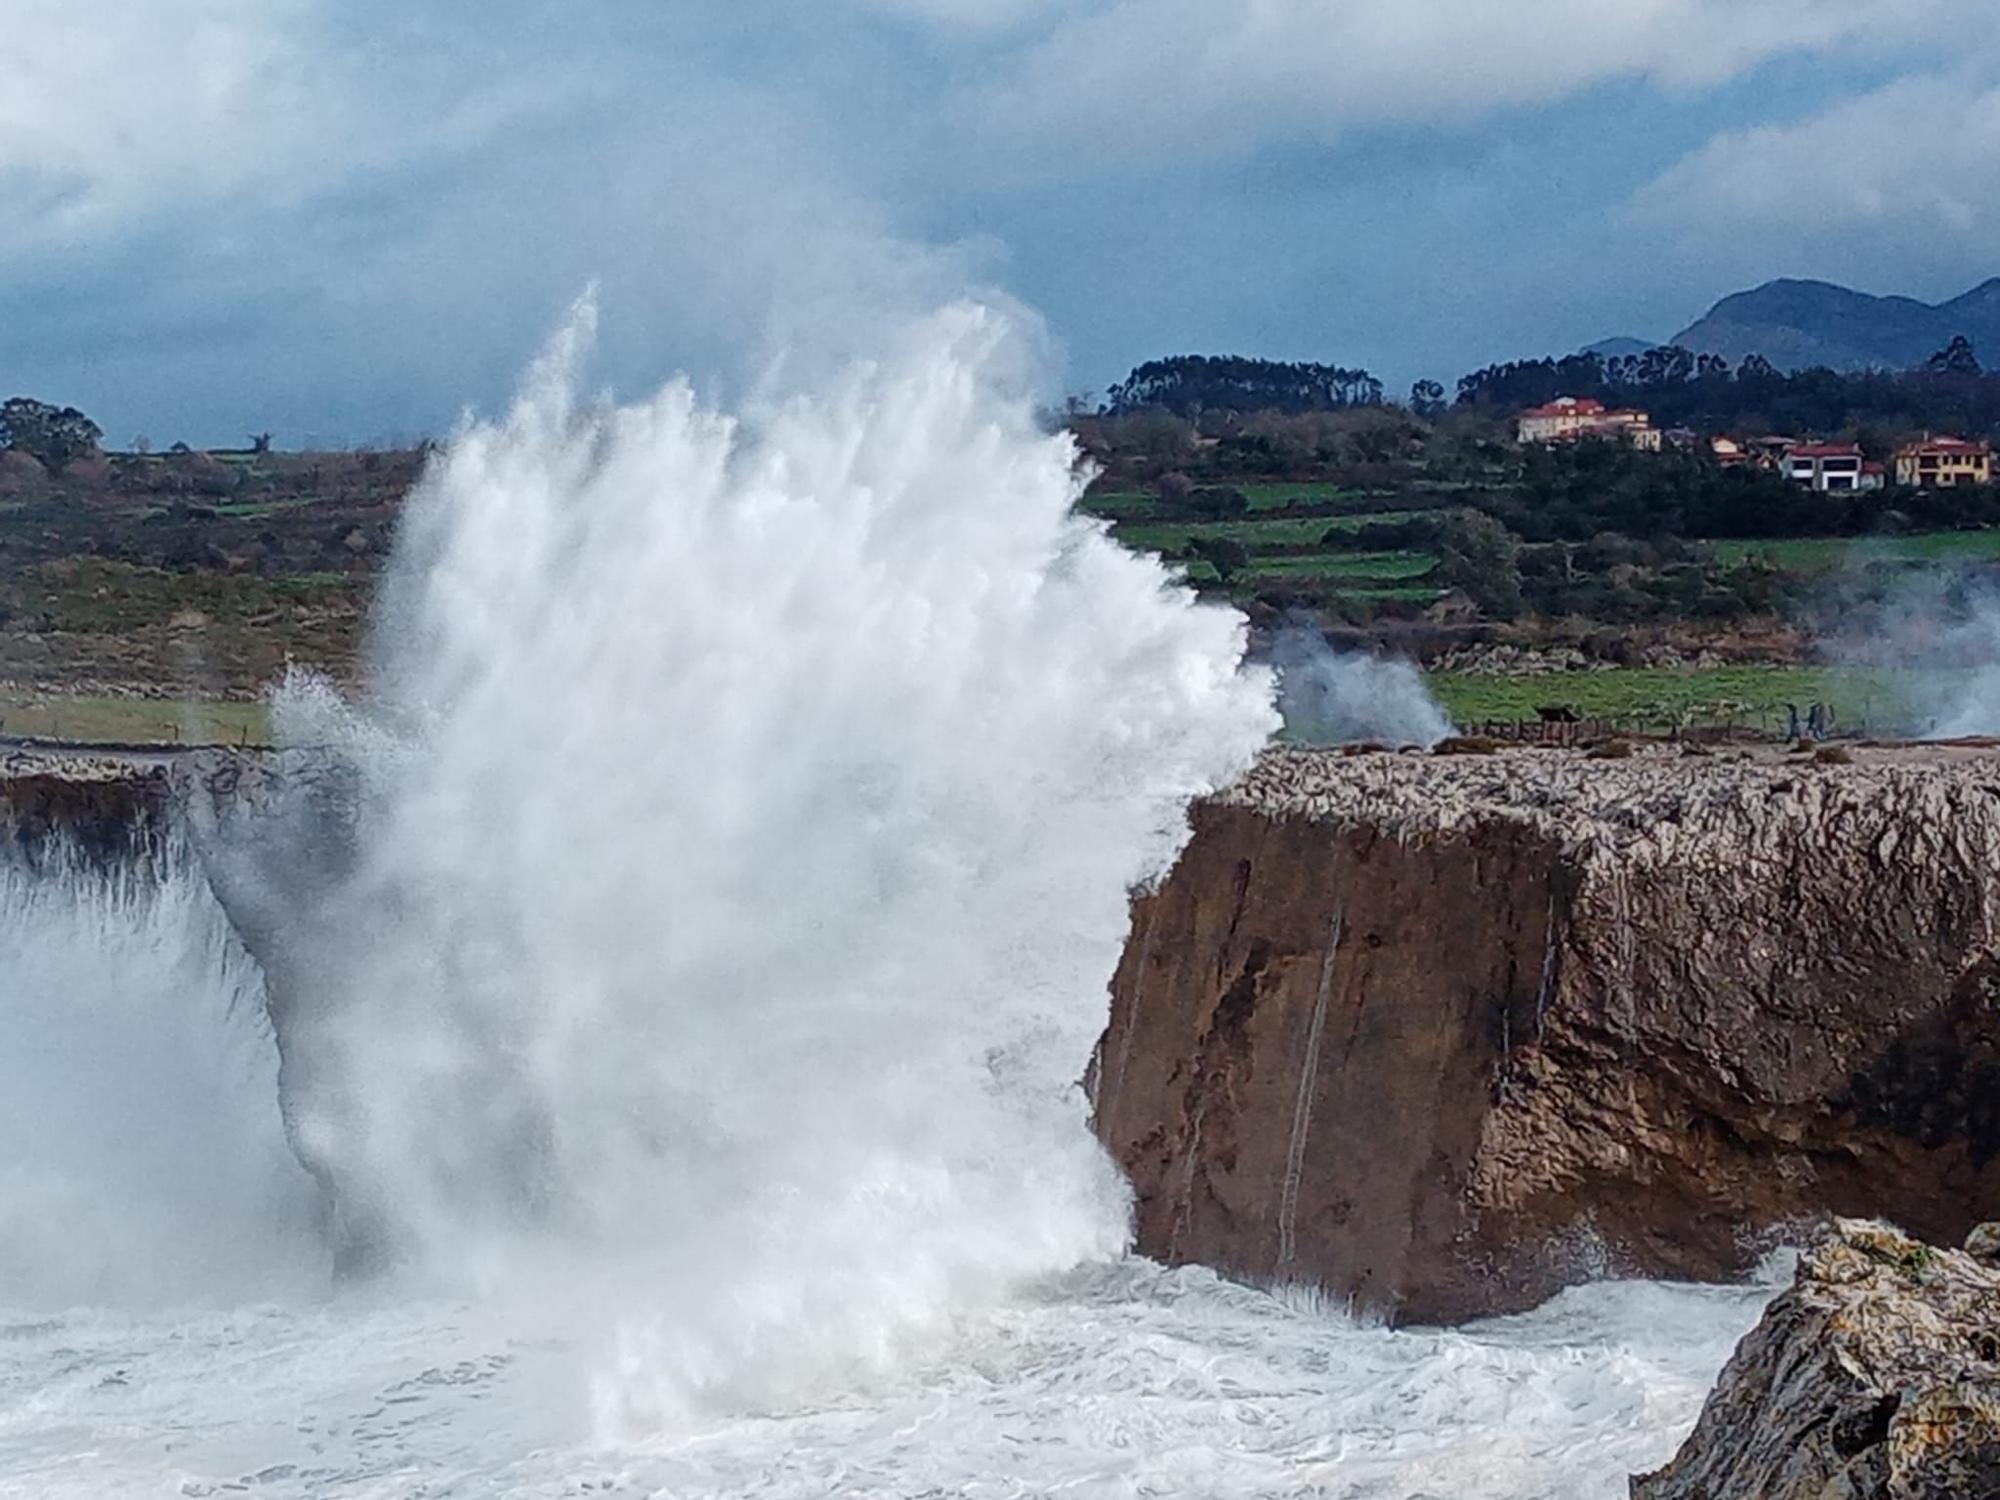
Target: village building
1570,418
1942,463
1728,452
1769,452
1831,467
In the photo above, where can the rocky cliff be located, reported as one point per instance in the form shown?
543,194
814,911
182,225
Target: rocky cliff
100,807
1876,1377
1442,1034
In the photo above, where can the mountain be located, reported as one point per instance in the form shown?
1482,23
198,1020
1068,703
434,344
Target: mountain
1799,324
1617,348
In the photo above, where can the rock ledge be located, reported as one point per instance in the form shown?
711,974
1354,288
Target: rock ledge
1876,1377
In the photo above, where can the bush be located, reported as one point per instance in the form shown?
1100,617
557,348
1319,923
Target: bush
1219,503
1227,557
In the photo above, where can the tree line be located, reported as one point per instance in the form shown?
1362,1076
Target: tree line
1949,392
1188,384
1679,387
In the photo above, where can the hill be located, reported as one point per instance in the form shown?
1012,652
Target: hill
1800,324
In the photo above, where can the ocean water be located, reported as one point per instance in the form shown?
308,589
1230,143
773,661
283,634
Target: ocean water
748,807
1121,1379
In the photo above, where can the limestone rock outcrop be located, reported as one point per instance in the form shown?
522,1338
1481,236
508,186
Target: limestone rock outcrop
1876,1377
1441,1035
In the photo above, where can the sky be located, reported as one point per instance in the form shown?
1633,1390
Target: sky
350,221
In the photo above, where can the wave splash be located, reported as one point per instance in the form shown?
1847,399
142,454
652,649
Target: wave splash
142,1158
749,813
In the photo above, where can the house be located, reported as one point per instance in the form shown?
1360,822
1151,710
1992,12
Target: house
1769,452
1728,452
1942,463
1569,418
1831,467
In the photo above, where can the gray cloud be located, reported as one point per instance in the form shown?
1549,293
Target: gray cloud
376,210
1911,169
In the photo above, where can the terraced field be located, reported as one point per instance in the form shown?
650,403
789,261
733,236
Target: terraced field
1817,554
1173,536
1331,498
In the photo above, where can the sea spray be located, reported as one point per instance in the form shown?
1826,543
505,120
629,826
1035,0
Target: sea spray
142,1160
739,880
1931,643
1331,697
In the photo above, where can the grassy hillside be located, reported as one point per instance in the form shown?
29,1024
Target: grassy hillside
1663,699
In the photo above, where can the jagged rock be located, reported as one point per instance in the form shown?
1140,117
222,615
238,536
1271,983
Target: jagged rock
1984,1243
1876,1377
1441,1035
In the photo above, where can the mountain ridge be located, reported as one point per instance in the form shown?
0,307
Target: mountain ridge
1798,323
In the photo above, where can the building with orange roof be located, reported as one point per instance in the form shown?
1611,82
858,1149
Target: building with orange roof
1570,418
1942,463
1832,467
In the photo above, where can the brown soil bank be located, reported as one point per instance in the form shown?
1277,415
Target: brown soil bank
1441,1035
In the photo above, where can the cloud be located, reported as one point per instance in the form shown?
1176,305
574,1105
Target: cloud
352,215
159,109
1910,164
1149,77
154,98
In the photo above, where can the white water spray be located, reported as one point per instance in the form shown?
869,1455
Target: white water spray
736,908
142,1161
1347,697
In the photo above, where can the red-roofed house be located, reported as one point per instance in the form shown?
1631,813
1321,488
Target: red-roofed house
1832,466
1943,463
1569,418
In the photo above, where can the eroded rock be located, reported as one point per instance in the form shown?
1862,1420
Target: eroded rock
1876,1377
1443,1035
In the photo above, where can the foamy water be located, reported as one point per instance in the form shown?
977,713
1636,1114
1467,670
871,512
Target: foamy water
748,814
1120,1380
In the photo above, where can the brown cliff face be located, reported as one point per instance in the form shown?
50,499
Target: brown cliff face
1441,1035
100,809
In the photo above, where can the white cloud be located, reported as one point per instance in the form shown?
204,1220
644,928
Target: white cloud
1914,162
154,107
147,99
1160,76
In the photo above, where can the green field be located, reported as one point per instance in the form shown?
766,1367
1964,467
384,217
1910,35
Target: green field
1260,496
1882,701
1163,536
1396,567
1819,554
137,721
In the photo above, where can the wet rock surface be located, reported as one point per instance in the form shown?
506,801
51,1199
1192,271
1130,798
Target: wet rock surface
1876,1377
1441,1035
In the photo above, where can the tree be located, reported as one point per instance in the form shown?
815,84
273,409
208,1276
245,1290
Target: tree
1481,557
52,435
260,442
1227,557
1427,399
1956,358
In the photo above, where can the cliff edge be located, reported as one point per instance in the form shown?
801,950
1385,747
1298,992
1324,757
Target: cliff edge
1441,1035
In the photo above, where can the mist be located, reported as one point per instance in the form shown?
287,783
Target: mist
1331,697
1937,633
